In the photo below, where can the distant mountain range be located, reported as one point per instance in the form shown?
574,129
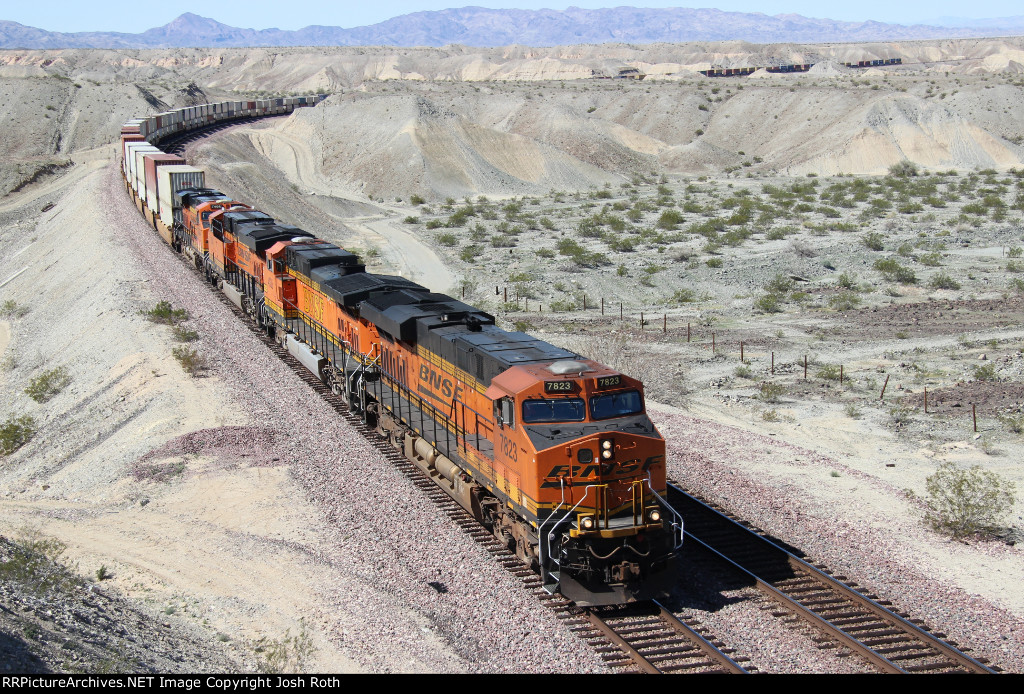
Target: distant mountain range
478,26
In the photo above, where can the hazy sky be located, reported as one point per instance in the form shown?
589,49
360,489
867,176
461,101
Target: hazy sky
135,16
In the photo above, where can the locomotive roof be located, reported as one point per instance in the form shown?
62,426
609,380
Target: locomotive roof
260,238
304,258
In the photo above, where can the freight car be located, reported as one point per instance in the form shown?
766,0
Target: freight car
745,71
551,451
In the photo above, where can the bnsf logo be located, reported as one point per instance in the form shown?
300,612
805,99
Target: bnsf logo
439,382
606,470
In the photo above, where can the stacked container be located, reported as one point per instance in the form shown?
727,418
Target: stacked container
170,179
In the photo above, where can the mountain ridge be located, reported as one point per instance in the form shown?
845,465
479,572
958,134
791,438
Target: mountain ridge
479,27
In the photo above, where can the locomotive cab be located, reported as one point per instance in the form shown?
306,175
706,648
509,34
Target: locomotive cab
577,436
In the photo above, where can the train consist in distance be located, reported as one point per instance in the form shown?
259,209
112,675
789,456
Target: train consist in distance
553,452
744,71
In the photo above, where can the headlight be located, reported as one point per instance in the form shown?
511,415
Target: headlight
587,522
607,455
654,515
607,449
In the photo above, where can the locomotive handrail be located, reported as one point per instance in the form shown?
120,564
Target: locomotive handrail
541,536
567,514
674,513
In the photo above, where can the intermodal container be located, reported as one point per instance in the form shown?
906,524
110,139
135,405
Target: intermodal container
131,149
173,178
139,171
125,139
152,162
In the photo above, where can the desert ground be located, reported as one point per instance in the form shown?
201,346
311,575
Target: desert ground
866,223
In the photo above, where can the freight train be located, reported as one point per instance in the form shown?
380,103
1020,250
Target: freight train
745,71
554,453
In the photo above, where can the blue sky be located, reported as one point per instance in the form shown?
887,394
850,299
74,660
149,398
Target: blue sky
136,16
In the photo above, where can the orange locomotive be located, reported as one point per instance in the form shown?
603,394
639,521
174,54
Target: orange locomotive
551,451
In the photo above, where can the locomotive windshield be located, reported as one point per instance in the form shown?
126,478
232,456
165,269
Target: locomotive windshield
542,410
616,405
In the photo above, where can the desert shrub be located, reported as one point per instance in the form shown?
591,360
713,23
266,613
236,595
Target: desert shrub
15,433
943,280
900,415
670,219
847,281
46,385
985,372
1013,423
743,371
165,313
931,259
769,303
435,224
12,309
768,391
684,296
903,169
447,239
874,241
780,284
1015,252
33,563
829,372
713,262
289,654
965,502
852,411
411,220
416,200
183,334
191,360
562,306
894,272
844,301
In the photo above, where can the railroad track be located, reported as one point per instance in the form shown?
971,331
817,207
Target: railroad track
645,637
862,622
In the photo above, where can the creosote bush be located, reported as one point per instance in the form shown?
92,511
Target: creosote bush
770,392
15,433
46,385
191,360
966,502
11,309
165,313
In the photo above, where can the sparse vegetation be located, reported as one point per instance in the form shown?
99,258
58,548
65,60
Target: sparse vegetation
15,433
34,563
165,313
191,361
48,384
288,654
965,502
11,309
769,391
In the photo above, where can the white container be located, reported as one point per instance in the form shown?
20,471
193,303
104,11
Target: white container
138,174
173,178
129,159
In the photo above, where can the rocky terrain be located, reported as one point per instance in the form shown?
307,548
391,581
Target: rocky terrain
869,222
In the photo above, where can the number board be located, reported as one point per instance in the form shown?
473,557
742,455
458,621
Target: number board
604,382
561,387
